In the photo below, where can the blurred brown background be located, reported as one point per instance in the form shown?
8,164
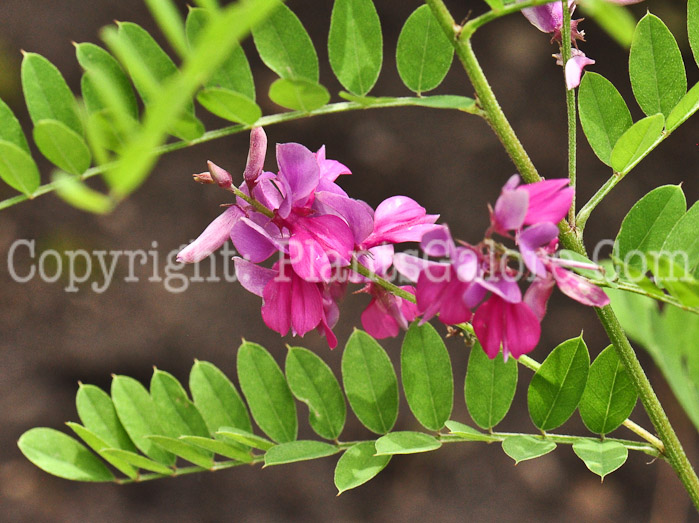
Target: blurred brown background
450,162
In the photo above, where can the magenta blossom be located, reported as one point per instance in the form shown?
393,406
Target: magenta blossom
519,205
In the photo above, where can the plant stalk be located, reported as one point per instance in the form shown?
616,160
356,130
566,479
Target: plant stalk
566,54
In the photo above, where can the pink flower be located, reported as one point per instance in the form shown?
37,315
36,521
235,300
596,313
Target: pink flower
574,68
514,326
400,219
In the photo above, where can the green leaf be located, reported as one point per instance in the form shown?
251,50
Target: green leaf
686,107
234,74
97,413
187,127
683,239
616,20
229,105
139,461
638,140
312,382
609,395
424,53
370,382
648,224
60,455
285,47
406,442
267,393
10,128
601,457
178,415
184,450
490,387
137,414
358,465
556,388
217,399
246,438
465,431
656,68
298,94
96,61
603,114
62,146
76,193
169,20
693,27
46,93
18,169
427,376
302,450
98,444
522,448
672,277
355,44
232,451
495,4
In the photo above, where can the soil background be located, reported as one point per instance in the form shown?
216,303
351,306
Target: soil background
450,162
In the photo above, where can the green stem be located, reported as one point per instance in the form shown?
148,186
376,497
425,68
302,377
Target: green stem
570,108
673,448
390,287
265,121
473,25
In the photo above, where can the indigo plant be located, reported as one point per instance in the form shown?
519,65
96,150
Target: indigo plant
303,243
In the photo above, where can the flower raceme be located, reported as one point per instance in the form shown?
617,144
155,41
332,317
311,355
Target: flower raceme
319,235
548,18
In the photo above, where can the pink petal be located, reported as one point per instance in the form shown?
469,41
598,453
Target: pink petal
299,175
489,325
330,169
533,238
579,288
538,294
357,214
213,237
378,322
252,277
574,68
400,219
510,210
410,266
549,201
254,241
522,330
291,303
438,242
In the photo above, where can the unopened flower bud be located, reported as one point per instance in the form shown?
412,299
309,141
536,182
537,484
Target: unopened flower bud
222,177
256,156
203,178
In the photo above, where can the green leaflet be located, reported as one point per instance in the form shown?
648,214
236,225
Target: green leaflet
267,393
648,224
184,450
693,27
139,461
636,142
98,445
672,276
10,129
119,96
62,146
168,18
465,431
217,446
490,387
656,68
97,413
245,438
312,382
18,169
686,107
229,105
355,44
609,395
601,457
285,47
298,94
424,53
603,114
405,442
60,455
234,74
522,448
216,398
427,377
556,388
370,382
358,465
178,416
80,196
138,415
683,240
301,450
46,93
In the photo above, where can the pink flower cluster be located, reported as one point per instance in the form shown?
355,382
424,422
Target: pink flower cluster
548,18
320,234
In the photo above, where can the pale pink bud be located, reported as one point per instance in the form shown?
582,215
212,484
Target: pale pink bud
204,178
222,177
256,156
